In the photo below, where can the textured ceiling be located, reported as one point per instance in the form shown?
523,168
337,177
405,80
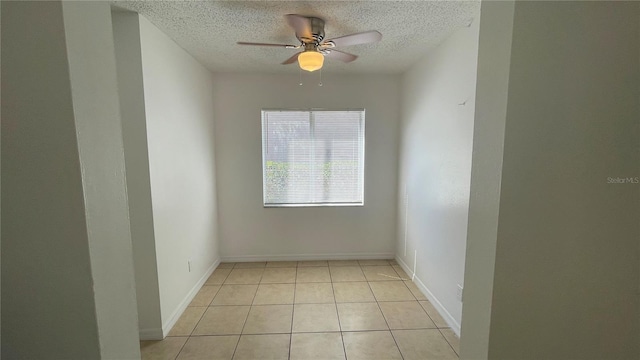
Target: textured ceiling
208,30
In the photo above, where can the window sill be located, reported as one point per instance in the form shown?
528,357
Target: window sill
314,205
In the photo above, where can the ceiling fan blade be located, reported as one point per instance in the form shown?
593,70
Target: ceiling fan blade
292,59
355,39
301,24
340,55
265,44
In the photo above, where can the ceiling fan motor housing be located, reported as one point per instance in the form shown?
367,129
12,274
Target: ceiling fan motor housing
317,31
313,47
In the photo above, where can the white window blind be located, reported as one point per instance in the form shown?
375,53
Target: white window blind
313,158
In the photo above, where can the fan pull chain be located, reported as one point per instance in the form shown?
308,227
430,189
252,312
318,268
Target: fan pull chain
300,76
320,83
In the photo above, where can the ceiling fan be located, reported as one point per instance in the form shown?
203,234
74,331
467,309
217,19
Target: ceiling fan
310,33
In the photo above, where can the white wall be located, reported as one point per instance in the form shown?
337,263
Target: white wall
179,122
90,51
435,170
66,252
45,247
494,55
250,231
0,196
566,248
126,32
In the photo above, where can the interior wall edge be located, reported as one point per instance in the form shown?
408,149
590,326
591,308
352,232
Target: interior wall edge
494,56
96,109
126,33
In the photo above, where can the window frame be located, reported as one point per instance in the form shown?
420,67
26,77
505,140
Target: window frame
361,169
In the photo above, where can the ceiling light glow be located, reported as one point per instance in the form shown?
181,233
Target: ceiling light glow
310,60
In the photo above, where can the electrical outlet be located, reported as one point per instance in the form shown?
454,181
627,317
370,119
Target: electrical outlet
459,293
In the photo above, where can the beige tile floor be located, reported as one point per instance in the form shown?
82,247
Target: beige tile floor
308,310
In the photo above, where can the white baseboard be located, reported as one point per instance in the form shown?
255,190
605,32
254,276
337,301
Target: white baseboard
404,267
171,321
303,257
455,326
151,334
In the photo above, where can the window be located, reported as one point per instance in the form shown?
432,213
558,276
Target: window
313,157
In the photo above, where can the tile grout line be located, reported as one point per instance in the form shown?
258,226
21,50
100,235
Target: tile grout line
385,320
293,310
331,282
429,316
246,318
287,333
434,322
425,311
447,340
307,332
335,302
300,332
205,311
182,347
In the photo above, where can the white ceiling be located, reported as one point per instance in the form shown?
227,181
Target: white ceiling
208,30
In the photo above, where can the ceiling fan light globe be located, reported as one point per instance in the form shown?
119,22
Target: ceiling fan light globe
310,60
